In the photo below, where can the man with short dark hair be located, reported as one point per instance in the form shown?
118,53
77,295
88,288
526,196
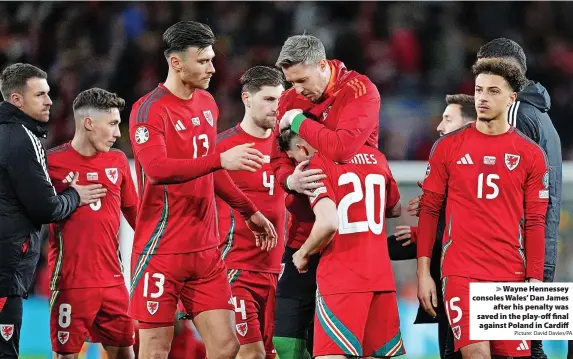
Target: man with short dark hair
27,197
529,114
88,293
252,273
173,133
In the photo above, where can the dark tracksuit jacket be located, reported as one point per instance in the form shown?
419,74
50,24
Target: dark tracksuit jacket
27,199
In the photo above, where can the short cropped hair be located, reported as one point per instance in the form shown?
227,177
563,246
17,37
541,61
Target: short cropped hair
466,103
185,34
256,77
97,99
15,78
285,139
301,49
504,48
511,73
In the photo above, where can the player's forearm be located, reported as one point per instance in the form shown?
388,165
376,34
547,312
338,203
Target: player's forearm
395,211
535,239
339,145
430,206
320,236
423,266
228,191
163,170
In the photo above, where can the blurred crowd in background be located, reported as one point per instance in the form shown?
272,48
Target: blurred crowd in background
415,52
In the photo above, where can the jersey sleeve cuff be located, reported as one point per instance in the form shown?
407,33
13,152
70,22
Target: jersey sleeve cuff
297,122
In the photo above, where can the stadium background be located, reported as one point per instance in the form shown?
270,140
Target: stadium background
415,52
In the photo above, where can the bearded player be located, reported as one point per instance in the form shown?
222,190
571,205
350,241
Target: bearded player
496,204
336,111
88,294
253,273
356,309
175,255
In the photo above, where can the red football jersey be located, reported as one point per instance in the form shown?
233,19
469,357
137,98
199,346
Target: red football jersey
489,181
238,242
175,218
301,219
357,259
84,248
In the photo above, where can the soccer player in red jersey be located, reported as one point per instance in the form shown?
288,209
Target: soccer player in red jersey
337,111
88,293
175,254
356,309
253,273
497,194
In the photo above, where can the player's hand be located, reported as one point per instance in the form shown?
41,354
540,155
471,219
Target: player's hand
300,260
287,118
414,206
404,233
533,280
265,233
427,294
88,194
242,157
305,181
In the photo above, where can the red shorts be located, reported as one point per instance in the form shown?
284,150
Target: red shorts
254,299
159,281
457,304
97,314
357,324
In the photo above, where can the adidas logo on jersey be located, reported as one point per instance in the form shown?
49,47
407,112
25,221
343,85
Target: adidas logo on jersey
179,126
523,346
68,178
466,160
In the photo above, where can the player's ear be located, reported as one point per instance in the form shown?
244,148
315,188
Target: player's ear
175,62
246,97
88,123
323,64
512,99
17,99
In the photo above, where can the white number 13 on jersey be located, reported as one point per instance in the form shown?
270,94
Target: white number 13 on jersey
205,140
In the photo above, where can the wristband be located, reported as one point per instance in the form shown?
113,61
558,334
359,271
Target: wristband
296,122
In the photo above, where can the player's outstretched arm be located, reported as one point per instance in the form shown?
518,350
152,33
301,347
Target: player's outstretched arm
263,229
228,191
358,119
323,230
33,188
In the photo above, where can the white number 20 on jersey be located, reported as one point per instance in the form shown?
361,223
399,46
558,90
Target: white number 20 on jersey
375,187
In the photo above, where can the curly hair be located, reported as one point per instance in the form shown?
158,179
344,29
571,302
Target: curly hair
510,72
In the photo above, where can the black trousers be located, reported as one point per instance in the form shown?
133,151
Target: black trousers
10,325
